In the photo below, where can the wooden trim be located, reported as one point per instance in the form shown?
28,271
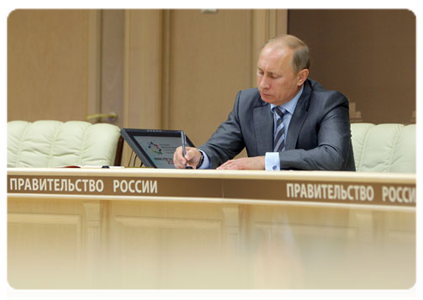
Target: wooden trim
266,23
143,68
126,69
335,176
272,22
94,62
257,40
282,21
143,71
166,69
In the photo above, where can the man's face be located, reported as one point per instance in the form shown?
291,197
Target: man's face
277,81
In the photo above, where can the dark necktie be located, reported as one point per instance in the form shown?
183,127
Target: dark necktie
279,142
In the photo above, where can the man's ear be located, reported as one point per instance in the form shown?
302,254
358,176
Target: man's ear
302,76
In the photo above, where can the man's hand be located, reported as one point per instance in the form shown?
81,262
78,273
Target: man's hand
245,163
192,157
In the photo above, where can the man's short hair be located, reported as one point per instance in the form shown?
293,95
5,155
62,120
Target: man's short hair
301,57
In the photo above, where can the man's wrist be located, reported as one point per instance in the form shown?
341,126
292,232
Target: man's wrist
201,160
272,162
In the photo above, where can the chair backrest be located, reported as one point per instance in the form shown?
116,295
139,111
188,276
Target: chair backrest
384,147
54,144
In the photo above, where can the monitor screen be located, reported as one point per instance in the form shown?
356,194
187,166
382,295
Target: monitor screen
154,147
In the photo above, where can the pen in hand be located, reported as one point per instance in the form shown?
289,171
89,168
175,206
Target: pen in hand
184,142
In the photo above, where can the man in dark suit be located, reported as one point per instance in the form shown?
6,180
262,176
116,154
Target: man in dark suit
289,122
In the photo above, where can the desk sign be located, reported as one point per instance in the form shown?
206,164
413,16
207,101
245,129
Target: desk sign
226,188
278,190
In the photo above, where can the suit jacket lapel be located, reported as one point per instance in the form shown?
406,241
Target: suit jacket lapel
263,125
298,117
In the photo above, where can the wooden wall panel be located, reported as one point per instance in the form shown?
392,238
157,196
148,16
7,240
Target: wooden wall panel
210,61
369,55
143,68
112,63
265,24
146,244
47,64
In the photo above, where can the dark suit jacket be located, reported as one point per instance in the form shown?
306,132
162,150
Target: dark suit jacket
319,136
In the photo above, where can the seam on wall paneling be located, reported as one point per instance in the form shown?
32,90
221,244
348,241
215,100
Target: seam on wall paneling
94,62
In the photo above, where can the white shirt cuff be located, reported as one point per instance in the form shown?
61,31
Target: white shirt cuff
272,161
206,161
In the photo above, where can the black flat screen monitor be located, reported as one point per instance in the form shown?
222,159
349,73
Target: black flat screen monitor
154,147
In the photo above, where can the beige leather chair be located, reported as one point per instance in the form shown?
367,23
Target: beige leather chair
55,144
384,147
